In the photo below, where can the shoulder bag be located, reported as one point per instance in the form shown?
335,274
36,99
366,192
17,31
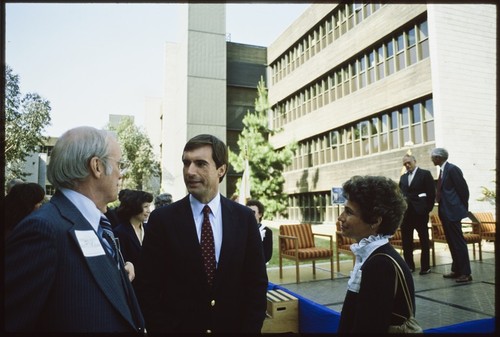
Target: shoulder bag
410,325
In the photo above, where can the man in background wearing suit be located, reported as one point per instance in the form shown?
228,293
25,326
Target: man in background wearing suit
452,195
176,292
60,276
265,232
417,186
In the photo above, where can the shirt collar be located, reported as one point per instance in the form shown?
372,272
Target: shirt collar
197,206
86,206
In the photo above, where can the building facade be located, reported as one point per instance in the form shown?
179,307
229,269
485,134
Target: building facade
210,84
360,85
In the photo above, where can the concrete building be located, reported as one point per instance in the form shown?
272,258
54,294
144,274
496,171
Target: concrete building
359,85
210,84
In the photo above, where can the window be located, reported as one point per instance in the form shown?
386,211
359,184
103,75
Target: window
338,81
423,40
362,72
412,46
347,79
389,51
405,126
400,52
380,63
371,67
428,121
384,135
416,126
354,76
394,134
374,135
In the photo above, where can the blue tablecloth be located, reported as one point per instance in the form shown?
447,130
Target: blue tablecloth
316,318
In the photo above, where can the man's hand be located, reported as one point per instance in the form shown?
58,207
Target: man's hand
129,268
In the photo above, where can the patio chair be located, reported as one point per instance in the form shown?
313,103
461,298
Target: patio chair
472,238
296,242
397,242
487,225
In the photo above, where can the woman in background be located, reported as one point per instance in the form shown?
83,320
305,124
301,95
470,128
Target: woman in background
373,211
22,199
133,213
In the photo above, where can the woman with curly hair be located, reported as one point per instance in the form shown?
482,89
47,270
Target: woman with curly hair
133,213
373,211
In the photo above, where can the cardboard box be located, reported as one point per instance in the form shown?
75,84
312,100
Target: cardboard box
282,313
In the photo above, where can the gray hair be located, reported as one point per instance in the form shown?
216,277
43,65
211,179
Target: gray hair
69,161
440,152
163,199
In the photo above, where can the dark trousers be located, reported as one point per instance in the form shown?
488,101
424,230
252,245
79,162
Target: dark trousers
457,245
418,222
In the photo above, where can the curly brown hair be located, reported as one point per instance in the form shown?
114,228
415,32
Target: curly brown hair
377,196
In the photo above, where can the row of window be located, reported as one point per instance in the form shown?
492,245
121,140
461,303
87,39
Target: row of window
337,23
398,52
406,126
312,207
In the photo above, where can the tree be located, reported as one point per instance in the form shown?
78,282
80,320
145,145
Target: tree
26,118
138,151
266,164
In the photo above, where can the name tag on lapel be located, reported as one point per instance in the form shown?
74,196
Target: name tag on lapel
89,243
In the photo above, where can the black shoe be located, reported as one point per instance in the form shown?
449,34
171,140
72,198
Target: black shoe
451,275
425,272
464,279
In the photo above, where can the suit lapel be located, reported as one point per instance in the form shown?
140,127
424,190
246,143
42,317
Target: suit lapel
229,230
102,267
185,231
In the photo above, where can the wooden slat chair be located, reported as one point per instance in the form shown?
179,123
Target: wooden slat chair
487,224
296,242
397,242
470,237
343,245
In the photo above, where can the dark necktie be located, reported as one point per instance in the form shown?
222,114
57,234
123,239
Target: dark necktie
438,188
208,245
109,239
113,248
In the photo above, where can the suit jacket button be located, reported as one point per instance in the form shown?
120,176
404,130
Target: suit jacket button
212,303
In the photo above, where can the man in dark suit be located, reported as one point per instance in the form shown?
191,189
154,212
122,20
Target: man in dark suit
176,291
265,232
452,195
417,186
60,276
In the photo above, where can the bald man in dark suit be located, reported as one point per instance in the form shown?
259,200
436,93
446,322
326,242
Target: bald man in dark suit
417,186
452,196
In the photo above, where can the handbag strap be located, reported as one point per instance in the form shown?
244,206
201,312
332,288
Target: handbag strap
404,286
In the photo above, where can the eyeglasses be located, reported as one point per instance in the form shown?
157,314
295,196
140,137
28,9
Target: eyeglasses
123,164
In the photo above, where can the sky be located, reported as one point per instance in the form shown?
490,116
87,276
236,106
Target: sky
92,60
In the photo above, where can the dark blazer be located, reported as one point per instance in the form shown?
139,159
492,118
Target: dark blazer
50,286
267,243
129,242
370,310
170,279
422,182
454,203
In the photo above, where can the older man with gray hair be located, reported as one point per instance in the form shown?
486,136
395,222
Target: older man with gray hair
63,273
452,195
